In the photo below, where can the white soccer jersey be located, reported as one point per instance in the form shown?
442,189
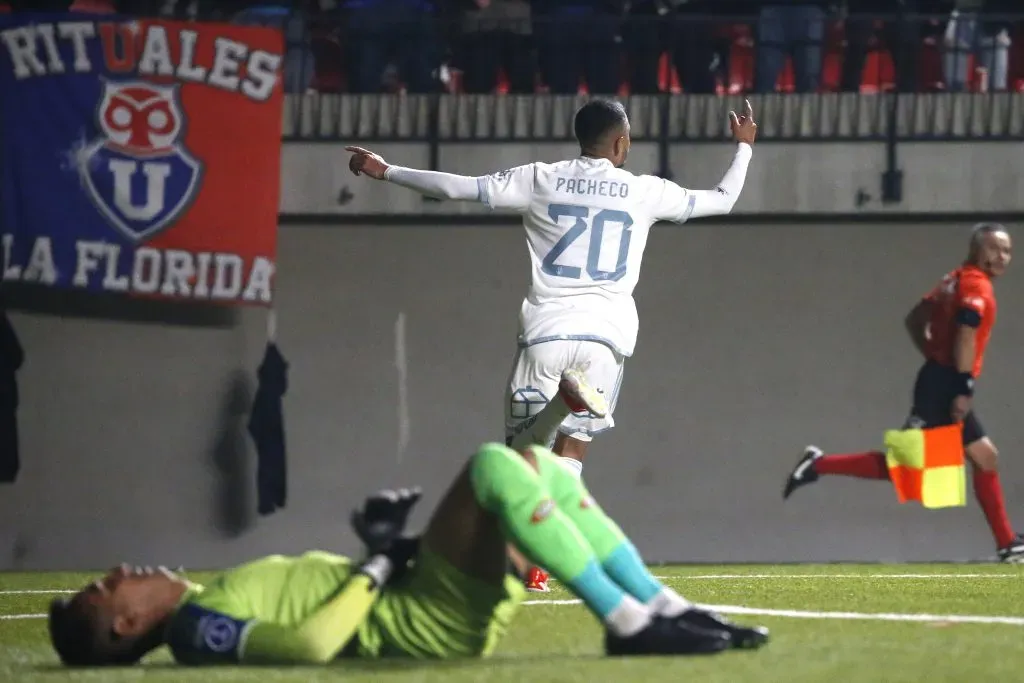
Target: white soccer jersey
586,224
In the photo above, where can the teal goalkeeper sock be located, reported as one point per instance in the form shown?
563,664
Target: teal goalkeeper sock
506,485
618,556
625,566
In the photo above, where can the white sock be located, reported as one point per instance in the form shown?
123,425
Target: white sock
668,603
572,465
629,618
545,425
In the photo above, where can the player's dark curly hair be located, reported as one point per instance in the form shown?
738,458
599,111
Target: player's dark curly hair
82,636
597,118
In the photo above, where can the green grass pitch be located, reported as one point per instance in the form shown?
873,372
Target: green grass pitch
834,623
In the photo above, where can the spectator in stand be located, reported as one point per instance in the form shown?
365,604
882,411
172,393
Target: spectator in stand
293,20
969,33
645,36
93,6
378,30
900,33
689,30
194,10
40,5
794,28
497,34
579,38
700,53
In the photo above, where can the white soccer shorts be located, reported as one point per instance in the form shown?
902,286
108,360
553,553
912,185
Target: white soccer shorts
536,371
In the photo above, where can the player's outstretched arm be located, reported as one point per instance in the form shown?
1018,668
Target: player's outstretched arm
723,198
679,204
431,183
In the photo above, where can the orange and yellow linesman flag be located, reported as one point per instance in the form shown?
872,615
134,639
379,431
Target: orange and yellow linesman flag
927,465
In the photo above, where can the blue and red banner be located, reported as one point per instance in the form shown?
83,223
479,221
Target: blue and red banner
140,156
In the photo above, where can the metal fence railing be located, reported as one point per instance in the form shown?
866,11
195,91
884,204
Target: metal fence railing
837,117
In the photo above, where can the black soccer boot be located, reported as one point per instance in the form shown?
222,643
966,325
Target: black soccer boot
743,637
664,636
803,474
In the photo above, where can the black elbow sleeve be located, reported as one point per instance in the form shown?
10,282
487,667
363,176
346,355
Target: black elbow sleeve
968,317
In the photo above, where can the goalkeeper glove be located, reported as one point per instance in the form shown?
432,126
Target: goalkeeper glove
380,524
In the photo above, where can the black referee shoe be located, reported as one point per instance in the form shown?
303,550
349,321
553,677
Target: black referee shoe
743,637
803,474
664,636
1013,553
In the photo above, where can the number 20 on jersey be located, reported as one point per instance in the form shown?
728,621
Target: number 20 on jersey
596,227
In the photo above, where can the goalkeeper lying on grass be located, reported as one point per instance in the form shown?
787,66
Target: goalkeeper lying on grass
443,595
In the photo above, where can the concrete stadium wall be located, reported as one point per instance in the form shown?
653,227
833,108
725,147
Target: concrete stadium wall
755,340
841,179
793,172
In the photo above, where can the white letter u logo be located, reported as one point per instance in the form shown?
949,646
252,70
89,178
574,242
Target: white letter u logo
156,180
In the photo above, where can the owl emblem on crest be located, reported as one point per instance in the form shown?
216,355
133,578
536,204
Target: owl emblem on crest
138,172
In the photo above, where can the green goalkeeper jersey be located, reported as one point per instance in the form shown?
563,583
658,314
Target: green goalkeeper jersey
314,607
276,610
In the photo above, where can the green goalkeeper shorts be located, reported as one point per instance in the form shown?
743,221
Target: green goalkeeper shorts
437,612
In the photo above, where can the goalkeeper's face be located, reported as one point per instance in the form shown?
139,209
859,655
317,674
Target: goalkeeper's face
115,619
133,597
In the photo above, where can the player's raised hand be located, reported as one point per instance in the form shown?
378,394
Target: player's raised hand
743,127
382,518
365,161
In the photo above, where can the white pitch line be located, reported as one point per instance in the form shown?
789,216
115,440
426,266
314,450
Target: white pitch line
789,613
685,577
792,614
870,616
803,614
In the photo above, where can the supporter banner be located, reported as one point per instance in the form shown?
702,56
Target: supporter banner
140,156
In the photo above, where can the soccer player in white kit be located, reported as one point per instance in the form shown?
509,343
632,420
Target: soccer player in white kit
587,221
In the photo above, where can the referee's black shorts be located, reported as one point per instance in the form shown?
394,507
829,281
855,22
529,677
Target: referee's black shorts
934,392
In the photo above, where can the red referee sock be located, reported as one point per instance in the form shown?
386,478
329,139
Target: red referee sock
869,465
989,493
